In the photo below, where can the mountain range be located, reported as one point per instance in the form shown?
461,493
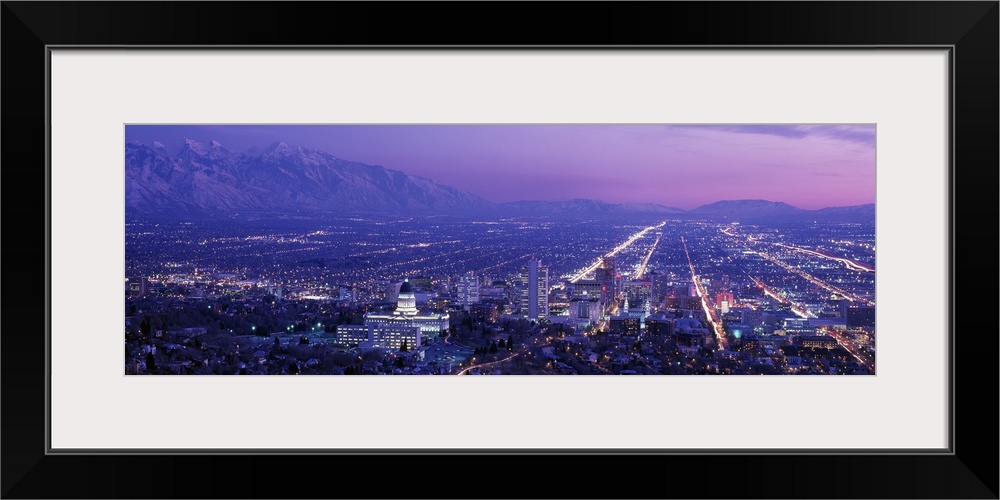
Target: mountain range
208,179
778,211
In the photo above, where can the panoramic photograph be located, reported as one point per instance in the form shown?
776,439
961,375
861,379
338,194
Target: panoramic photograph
550,249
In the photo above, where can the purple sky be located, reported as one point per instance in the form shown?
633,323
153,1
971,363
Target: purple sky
808,166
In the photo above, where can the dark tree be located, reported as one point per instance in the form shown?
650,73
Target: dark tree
493,347
510,342
150,362
293,369
404,347
303,340
501,344
277,343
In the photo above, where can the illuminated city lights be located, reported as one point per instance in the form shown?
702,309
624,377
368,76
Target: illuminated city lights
660,256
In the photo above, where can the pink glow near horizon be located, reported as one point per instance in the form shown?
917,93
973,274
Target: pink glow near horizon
808,166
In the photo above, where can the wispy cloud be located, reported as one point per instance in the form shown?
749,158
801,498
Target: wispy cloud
856,134
809,166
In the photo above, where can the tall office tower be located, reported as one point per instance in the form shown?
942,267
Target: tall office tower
752,317
392,291
590,287
585,309
606,276
535,290
637,292
468,289
842,306
422,283
860,316
657,284
724,301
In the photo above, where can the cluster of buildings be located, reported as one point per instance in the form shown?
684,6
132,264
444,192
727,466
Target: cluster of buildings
602,299
403,328
407,327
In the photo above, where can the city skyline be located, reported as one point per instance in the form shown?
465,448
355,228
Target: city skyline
500,250
684,166
414,295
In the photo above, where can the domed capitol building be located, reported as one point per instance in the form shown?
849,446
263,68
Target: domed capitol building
405,324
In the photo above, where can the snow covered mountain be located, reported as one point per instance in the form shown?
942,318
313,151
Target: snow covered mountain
208,179
282,178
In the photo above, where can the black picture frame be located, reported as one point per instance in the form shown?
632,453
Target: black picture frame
970,29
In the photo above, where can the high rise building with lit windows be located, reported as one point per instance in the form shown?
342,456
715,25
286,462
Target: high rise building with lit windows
605,275
724,301
468,289
535,290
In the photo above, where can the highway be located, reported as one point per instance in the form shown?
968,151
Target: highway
480,365
814,280
852,264
720,335
728,231
849,347
627,243
641,270
804,314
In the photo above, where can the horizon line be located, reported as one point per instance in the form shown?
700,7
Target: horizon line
259,149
